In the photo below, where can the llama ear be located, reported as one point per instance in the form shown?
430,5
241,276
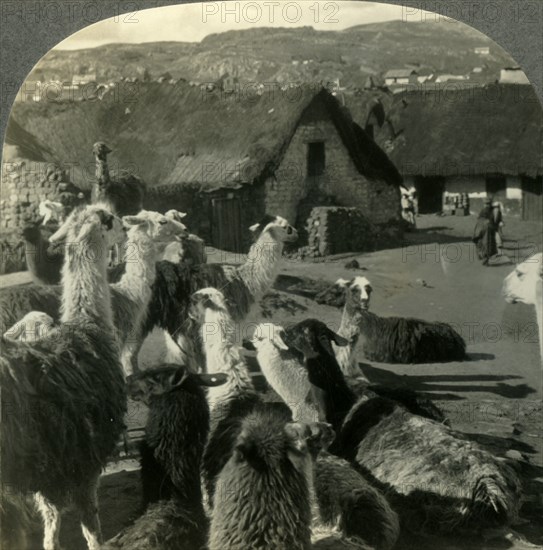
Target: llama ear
254,227
175,215
278,339
338,340
133,220
177,378
211,380
298,433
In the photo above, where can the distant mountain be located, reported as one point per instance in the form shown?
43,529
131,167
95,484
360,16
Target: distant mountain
289,54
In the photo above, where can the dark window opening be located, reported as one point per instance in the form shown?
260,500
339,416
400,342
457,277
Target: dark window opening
495,186
315,159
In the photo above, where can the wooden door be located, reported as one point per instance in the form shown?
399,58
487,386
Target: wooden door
226,224
532,198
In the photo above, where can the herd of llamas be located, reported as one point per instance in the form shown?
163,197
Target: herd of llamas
337,462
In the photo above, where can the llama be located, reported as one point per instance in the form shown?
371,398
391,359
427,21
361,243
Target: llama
228,403
192,251
51,210
263,491
233,402
148,235
34,326
242,285
346,501
285,373
393,339
452,483
123,194
171,453
525,285
43,260
69,390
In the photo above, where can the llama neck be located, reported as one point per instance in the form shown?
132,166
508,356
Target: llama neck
222,355
260,269
102,171
350,330
336,395
140,272
85,290
539,313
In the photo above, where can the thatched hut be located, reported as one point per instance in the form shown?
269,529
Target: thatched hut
280,152
484,141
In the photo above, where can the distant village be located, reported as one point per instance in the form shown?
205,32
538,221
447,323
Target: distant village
89,86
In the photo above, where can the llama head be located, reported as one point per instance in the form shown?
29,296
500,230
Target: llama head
276,226
265,442
100,150
50,210
32,327
206,299
521,284
267,334
313,338
358,292
92,224
159,228
355,292
176,215
169,378
313,437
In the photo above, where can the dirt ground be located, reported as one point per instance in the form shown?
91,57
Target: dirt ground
494,398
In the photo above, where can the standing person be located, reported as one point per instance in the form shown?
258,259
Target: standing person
407,209
497,215
414,200
484,234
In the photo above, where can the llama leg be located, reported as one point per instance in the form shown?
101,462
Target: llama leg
51,522
86,501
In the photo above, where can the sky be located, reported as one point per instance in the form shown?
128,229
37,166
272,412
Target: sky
191,23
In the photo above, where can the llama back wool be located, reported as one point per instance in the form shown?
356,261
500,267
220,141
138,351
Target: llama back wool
262,497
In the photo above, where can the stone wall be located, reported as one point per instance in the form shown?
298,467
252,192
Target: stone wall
24,184
340,184
337,229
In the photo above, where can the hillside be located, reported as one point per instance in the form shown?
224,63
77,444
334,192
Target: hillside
278,54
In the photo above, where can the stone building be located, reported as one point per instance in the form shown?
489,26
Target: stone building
486,141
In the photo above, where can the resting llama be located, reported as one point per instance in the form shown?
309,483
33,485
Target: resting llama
442,479
525,285
392,339
71,388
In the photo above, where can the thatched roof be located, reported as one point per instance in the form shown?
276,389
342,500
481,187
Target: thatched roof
495,129
185,135
241,140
